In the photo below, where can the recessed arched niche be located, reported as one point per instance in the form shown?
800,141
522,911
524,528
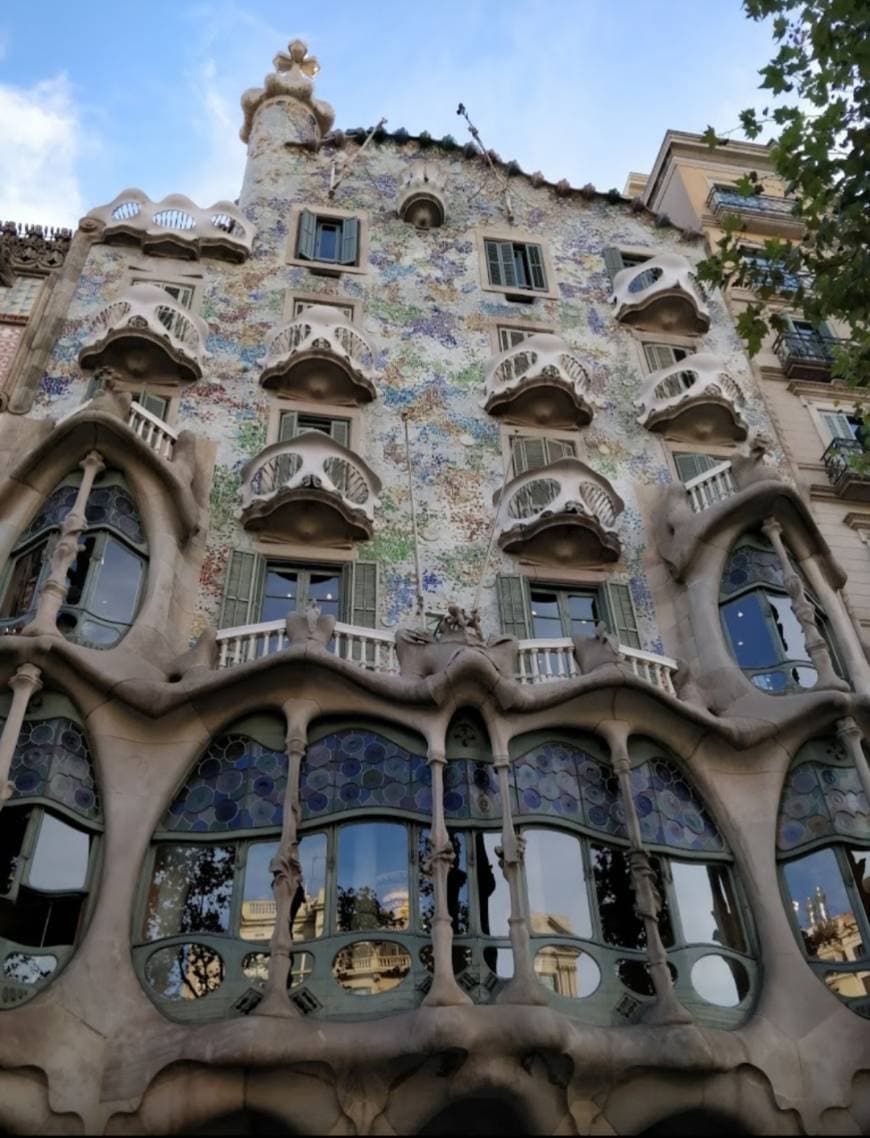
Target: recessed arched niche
50,839
823,847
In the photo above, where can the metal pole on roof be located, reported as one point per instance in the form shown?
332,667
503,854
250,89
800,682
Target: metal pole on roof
334,182
475,134
413,517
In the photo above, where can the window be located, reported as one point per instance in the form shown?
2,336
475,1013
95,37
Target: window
530,610
509,337
615,260
660,356
841,425
156,404
513,264
259,590
771,273
766,637
532,452
105,582
48,850
182,294
332,240
823,845
293,423
299,306
690,465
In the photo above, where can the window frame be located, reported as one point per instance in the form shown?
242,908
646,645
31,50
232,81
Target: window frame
295,303
327,268
515,237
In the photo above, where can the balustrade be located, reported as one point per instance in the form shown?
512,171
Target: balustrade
320,355
693,398
661,293
713,486
541,381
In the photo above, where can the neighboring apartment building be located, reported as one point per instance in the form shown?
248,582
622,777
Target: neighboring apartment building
432,707
818,418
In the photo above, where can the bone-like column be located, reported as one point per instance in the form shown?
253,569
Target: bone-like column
53,592
648,902
849,734
444,991
24,683
804,611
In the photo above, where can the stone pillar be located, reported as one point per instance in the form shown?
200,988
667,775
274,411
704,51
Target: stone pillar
286,868
667,1009
848,641
805,613
849,734
524,986
444,991
53,592
24,683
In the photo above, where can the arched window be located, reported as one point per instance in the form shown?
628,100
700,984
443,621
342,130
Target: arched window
49,846
760,625
823,844
588,942
107,577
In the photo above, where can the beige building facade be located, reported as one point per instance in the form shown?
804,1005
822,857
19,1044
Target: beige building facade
433,701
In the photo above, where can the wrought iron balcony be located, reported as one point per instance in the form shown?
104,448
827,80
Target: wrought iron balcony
146,335
693,400
539,381
176,226
661,294
767,212
563,513
844,459
309,489
807,355
319,355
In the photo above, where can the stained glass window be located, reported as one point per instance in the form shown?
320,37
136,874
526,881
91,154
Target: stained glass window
51,760
238,784
55,508
360,768
113,506
670,813
748,565
822,799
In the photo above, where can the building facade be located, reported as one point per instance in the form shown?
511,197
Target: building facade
432,704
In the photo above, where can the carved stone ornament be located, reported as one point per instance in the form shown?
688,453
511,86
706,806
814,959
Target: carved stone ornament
31,249
292,78
422,653
309,627
593,652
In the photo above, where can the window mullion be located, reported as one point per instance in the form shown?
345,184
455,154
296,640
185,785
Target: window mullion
330,923
93,575
591,896
240,858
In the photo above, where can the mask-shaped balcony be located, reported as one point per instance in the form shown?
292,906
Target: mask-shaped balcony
309,489
539,381
145,334
694,400
176,226
562,514
661,295
319,356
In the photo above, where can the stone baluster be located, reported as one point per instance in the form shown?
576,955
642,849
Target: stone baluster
523,987
24,683
286,869
849,734
804,611
444,991
53,592
667,1009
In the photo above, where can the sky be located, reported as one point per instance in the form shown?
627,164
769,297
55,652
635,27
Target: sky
96,96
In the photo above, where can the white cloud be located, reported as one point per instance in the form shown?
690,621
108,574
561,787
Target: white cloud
40,144
219,172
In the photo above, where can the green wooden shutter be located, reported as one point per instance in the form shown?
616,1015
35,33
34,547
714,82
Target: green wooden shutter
659,356
287,426
154,403
243,589
307,239
536,266
349,250
493,262
339,429
506,259
529,454
612,260
360,589
691,465
554,449
513,605
623,617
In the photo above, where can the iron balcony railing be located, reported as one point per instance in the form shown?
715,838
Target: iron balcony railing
811,351
842,459
753,203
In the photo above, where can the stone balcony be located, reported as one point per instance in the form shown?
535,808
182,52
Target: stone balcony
146,335
563,514
175,226
694,400
539,381
661,295
319,356
309,489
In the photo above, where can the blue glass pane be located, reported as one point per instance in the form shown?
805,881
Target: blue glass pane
819,897
821,800
749,566
750,634
373,879
55,508
113,506
670,812
357,768
238,784
52,760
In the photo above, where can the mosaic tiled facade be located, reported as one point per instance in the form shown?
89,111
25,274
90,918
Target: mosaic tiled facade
409,726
